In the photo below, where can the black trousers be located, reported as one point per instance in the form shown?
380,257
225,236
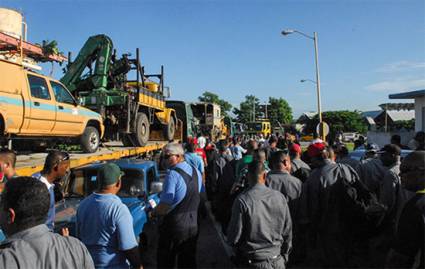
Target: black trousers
171,252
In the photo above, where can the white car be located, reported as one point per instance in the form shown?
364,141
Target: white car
349,137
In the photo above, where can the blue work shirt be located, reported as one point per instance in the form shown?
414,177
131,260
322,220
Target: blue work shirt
195,160
105,226
174,189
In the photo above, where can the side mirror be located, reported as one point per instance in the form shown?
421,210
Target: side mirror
156,187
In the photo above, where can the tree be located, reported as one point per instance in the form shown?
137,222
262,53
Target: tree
210,97
339,121
279,111
245,112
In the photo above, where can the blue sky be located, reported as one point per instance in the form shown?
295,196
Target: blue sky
367,49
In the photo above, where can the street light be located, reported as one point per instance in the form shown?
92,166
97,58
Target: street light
317,82
306,79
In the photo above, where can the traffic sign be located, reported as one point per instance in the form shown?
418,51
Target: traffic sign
322,125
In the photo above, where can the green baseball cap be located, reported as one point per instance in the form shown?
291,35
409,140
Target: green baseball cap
109,174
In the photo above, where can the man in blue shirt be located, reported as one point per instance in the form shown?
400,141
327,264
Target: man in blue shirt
179,206
105,225
55,168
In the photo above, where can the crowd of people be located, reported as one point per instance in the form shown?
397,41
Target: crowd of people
279,205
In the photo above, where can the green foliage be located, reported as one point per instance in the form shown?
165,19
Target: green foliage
339,121
210,97
50,47
406,124
245,111
279,111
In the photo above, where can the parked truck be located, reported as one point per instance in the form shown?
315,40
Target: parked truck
132,103
185,114
36,110
209,117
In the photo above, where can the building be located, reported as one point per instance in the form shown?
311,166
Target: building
387,118
419,97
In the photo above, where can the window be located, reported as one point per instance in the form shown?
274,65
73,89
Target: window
151,177
62,95
38,87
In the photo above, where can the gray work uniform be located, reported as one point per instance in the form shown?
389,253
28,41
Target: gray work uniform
371,172
393,196
37,247
297,164
288,185
321,205
260,229
349,161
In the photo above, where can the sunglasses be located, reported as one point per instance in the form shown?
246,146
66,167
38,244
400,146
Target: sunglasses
66,158
168,156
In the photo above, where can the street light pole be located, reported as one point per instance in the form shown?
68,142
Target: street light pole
319,103
316,54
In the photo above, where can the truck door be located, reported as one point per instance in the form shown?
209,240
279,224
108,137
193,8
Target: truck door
42,106
69,121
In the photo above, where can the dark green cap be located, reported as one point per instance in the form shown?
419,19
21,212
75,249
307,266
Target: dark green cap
108,174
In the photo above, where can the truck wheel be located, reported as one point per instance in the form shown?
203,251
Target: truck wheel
170,129
90,140
126,141
141,136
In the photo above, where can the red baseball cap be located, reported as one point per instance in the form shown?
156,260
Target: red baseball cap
315,149
295,148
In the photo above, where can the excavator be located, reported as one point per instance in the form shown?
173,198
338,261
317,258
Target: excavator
132,109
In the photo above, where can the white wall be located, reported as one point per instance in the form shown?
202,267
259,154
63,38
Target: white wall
382,138
419,114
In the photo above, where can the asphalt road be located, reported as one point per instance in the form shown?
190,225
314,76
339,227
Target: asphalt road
212,251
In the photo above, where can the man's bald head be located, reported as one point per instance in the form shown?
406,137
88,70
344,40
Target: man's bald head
412,171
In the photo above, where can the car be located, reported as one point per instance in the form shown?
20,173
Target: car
349,137
140,190
359,154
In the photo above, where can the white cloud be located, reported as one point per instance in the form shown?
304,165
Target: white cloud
397,85
400,66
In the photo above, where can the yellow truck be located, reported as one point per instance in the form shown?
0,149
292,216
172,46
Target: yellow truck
38,108
262,127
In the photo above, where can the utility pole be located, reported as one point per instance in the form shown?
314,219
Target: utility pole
253,110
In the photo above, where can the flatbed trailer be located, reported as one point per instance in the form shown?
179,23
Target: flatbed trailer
26,165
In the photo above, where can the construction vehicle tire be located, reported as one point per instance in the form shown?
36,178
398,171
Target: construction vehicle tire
90,140
170,129
141,136
126,141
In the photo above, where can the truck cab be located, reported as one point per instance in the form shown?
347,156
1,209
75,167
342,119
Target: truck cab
139,192
39,108
185,114
259,127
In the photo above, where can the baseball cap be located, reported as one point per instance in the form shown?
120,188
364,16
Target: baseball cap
315,149
109,174
295,148
391,148
372,147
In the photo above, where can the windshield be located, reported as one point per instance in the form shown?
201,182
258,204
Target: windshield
83,183
254,126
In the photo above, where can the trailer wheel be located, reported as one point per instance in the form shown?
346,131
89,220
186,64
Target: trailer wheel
141,136
90,140
170,129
